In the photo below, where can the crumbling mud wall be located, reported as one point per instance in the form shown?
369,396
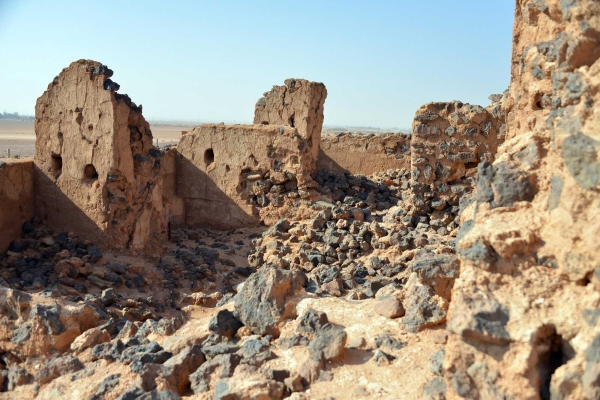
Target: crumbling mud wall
524,312
16,198
229,176
97,172
299,104
364,154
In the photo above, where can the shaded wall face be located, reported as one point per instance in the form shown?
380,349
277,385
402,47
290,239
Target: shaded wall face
16,198
298,104
97,172
448,140
226,175
366,155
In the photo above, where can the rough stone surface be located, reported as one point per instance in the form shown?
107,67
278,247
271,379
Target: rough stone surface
298,104
528,286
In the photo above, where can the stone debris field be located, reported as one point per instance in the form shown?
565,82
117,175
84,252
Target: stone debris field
271,261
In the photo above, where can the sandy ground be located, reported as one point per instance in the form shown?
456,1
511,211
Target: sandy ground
19,136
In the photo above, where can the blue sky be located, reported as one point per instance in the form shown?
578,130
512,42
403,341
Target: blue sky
211,61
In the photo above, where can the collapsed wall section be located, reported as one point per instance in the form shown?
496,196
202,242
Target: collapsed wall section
364,154
97,172
298,104
232,176
16,198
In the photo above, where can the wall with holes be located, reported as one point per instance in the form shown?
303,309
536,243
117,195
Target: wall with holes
230,176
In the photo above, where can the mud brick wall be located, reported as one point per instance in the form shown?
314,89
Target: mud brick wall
228,176
16,198
364,154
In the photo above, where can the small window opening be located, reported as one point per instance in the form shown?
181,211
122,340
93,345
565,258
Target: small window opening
209,157
56,165
292,121
90,172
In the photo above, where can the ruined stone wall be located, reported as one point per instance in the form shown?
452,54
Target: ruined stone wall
364,154
524,312
299,104
97,172
228,176
16,198
448,141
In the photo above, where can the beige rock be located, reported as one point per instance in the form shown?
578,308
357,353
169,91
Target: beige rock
389,307
89,338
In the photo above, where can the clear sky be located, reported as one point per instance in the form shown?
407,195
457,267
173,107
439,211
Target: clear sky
211,61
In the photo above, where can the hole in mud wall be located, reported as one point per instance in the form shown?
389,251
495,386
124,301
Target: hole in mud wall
90,172
209,157
552,352
292,121
56,165
227,169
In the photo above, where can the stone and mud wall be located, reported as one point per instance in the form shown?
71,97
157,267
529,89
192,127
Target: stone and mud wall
524,312
364,154
16,198
228,176
96,170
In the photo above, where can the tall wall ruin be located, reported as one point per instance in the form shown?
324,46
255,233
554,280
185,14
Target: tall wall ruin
97,172
299,104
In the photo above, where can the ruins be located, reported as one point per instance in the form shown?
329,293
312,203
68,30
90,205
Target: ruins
271,261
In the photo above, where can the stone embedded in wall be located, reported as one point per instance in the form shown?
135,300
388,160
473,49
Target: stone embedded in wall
16,198
364,154
230,176
299,104
97,172
522,308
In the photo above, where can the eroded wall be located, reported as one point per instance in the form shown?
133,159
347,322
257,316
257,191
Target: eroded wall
229,176
364,154
298,104
96,170
16,198
524,312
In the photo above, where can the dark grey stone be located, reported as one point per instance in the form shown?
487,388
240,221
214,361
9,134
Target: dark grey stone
224,324
312,321
579,153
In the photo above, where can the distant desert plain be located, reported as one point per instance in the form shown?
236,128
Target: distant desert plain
19,136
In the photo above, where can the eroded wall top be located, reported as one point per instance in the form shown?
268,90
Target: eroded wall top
299,104
97,172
